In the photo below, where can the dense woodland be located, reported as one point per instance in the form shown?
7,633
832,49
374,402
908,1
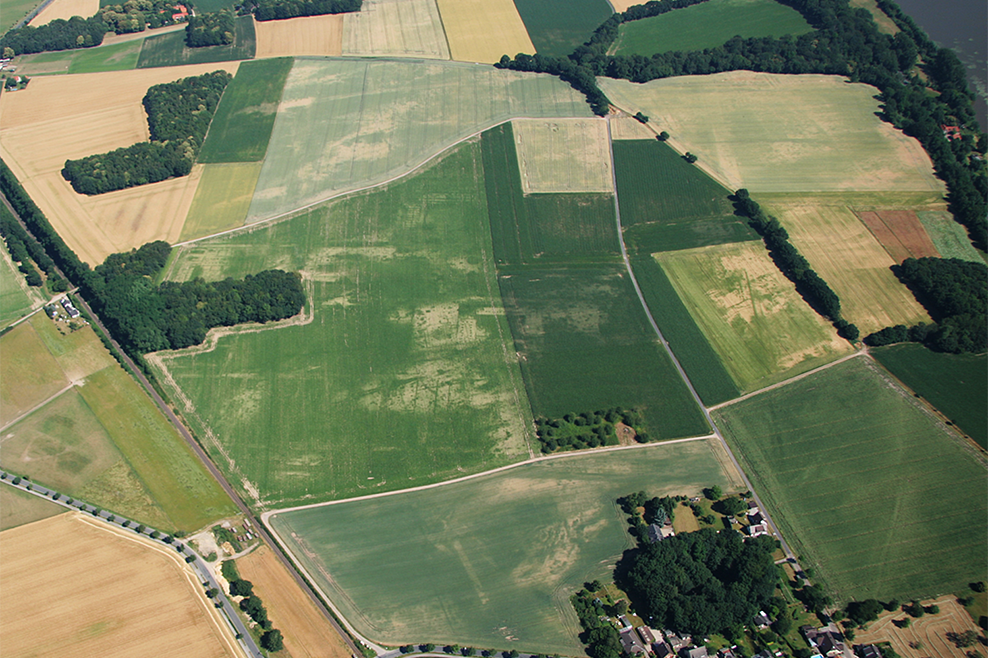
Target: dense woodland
24,249
178,114
272,10
138,15
210,29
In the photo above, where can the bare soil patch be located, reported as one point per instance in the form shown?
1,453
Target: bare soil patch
926,636
65,9
309,35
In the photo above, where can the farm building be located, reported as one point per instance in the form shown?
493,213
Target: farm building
658,533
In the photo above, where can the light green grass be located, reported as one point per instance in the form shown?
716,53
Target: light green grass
949,237
752,315
849,467
404,376
395,28
241,128
556,27
490,562
708,25
14,11
344,124
170,50
28,373
222,199
15,302
20,508
118,57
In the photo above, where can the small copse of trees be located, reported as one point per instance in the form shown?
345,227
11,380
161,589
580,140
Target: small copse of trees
270,10
210,29
588,429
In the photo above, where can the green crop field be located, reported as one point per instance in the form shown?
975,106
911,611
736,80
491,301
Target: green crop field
14,11
403,373
118,57
241,128
949,237
849,467
170,50
556,27
19,508
708,25
955,384
344,124
490,562
222,199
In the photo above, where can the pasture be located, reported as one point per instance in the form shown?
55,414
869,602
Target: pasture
953,383
29,374
847,465
242,125
16,298
65,562
708,25
221,200
169,49
14,11
949,237
118,57
492,561
346,124
556,27
900,233
400,372
294,37
849,258
395,28
781,133
64,9
20,508
563,155
482,30
752,315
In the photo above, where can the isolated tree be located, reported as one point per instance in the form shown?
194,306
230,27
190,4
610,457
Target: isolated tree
17,480
212,593
690,157
663,136
140,528
731,506
155,534
272,640
190,559
427,647
713,493
56,496
241,588
977,587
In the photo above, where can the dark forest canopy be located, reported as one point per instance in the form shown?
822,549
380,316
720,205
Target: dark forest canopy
210,29
700,582
59,34
270,10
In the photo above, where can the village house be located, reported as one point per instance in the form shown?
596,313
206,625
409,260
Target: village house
693,652
826,641
631,643
658,532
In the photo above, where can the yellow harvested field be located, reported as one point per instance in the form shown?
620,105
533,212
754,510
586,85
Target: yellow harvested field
399,28
844,252
781,133
624,126
926,636
102,592
622,5
483,30
563,155
222,198
62,117
308,634
309,35
65,9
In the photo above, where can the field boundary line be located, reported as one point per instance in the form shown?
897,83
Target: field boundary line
36,407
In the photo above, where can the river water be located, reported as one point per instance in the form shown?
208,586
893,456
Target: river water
961,25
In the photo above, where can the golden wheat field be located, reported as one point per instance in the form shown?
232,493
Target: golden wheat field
309,35
65,9
483,30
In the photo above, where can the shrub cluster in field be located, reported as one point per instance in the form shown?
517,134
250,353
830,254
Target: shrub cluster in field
588,429
210,29
179,114
270,10
251,604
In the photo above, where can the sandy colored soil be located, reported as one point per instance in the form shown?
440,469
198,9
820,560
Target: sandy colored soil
65,9
62,117
310,35
401,28
483,30
927,636
306,631
563,155
99,592
900,232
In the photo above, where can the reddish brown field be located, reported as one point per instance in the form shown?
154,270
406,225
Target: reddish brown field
900,233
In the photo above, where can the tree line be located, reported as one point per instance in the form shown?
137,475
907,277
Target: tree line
178,115
138,15
793,265
955,294
252,605
210,29
23,249
272,10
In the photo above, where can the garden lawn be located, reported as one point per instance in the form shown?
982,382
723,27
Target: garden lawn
847,465
170,50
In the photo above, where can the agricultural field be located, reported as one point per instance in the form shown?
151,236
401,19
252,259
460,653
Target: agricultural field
19,508
66,563
396,28
404,338
65,9
222,199
953,383
752,315
926,636
849,258
119,57
624,126
556,27
14,11
847,465
491,561
900,233
781,133
565,155
169,49
708,25
482,31
29,374
242,125
949,237
347,124
307,632
17,299
293,37
41,129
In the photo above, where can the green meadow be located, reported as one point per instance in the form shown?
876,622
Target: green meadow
556,27
170,50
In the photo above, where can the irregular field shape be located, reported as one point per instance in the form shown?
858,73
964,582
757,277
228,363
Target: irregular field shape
308,634
169,49
752,315
65,9
708,25
483,31
846,464
66,560
556,27
406,340
925,636
949,238
849,258
401,28
781,133
491,561
222,199
307,35
346,124
29,374
563,155
119,57
62,117
19,508
900,233
953,383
